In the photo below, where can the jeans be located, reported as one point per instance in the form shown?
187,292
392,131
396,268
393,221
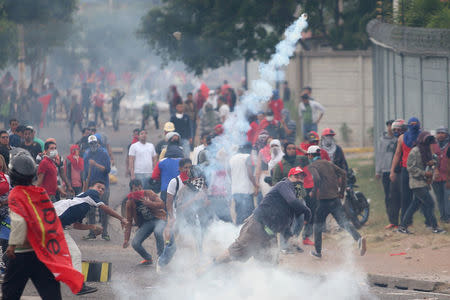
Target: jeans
72,125
85,109
155,226
407,195
244,206
307,128
144,178
103,216
333,206
115,119
23,267
75,253
442,200
186,147
395,198
421,196
99,111
221,207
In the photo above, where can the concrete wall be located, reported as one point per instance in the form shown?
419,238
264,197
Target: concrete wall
411,74
342,82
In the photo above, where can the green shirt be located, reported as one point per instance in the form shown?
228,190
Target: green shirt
307,114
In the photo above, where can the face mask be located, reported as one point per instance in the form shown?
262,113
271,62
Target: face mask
179,116
93,147
396,133
270,119
299,191
328,141
53,153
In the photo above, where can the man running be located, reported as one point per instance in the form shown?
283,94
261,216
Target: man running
329,187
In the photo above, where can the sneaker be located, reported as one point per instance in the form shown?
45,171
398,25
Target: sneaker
307,241
106,237
298,249
89,237
146,262
86,290
390,226
315,254
362,246
438,230
403,230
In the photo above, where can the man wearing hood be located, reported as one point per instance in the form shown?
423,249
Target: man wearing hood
335,152
395,196
383,158
405,143
97,166
420,166
168,167
441,149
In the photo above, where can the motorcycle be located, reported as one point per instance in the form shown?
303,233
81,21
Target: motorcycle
356,205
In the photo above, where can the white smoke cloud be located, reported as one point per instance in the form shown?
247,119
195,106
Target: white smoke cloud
249,280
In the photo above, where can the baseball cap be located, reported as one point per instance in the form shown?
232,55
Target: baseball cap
295,171
442,129
92,139
313,149
169,127
313,136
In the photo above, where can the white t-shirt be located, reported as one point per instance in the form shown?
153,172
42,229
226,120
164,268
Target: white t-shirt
172,187
143,153
224,111
240,182
195,153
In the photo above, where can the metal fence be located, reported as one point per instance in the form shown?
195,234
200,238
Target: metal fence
410,75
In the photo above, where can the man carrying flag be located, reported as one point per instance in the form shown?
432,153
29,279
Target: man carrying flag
37,248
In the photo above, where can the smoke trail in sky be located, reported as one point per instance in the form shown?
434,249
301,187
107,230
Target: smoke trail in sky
237,125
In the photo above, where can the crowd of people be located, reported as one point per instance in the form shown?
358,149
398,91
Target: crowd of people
181,184
412,163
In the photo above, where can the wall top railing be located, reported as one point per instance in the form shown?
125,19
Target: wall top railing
410,40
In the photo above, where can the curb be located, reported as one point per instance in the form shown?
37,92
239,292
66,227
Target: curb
408,284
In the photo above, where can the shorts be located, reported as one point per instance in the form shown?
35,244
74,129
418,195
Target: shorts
254,241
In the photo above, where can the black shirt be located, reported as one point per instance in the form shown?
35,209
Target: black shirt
280,206
182,126
34,149
4,151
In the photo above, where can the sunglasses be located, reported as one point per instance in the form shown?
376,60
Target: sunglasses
5,137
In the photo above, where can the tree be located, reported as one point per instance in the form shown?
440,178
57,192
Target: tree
212,33
40,25
215,33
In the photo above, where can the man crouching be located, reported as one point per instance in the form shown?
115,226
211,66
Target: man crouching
274,215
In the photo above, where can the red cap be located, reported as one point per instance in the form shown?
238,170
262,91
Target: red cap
218,129
295,171
328,131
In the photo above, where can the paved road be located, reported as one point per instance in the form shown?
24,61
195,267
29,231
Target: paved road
130,281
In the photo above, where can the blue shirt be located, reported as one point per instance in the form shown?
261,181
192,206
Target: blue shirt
74,210
101,157
169,168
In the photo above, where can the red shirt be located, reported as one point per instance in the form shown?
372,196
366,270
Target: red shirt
48,168
276,106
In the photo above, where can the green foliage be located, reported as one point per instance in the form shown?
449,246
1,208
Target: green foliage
8,45
425,13
346,133
215,33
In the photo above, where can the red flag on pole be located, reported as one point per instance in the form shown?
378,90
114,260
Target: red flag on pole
45,100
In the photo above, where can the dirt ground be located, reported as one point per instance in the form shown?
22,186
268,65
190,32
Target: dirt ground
419,256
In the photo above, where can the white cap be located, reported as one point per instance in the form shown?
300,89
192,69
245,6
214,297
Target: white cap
313,149
92,138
